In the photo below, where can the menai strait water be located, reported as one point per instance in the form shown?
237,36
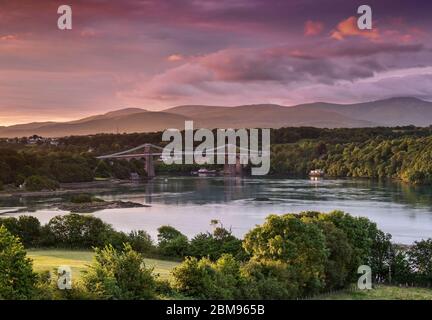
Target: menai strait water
190,203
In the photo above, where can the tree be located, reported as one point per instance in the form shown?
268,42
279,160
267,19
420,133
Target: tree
360,232
17,280
140,241
214,245
288,239
119,274
77,231
26,228
209,280
420,258
172,243
39,183
337,267
268,279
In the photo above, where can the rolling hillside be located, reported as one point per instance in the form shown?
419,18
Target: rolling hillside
390,112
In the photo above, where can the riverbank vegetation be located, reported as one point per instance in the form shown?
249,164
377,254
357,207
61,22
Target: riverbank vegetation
401,153
287,257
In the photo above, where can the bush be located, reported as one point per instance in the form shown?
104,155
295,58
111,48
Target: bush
172,243
47,289
39,183
362,235
17,280
401,269
140,241
209,280
269,280
227,278
291,241
119,274
339,261
29,231
76,231
215,245
420,259
27,228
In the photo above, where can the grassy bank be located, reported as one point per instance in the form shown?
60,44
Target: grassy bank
78,260
381,293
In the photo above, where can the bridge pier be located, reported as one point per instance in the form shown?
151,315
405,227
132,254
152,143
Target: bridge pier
233,169
149,164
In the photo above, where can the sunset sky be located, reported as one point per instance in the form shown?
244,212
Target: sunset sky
158,54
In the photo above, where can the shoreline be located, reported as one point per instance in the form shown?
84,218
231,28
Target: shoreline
71,188
100,186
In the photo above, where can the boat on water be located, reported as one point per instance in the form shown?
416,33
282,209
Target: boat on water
316,173
205,172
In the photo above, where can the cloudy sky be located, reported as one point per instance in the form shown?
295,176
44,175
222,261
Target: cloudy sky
155,54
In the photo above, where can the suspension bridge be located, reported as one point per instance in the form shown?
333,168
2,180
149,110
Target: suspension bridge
151,153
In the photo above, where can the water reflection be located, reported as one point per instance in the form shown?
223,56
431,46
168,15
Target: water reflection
189,203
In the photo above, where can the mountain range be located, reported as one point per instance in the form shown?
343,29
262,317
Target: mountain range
390,112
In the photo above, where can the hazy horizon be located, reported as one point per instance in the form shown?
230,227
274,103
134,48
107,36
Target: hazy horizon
146,109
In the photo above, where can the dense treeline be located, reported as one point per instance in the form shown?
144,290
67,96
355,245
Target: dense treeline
75,231
401,152
407,159
42,169
288,257
106,143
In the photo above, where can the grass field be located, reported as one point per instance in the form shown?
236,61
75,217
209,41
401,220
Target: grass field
78,260
382,293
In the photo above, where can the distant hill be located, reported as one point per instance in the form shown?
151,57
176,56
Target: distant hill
389,112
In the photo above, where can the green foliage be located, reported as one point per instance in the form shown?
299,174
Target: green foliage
268,279
382,255
76,231
47,289
208,280
172,242
401,271
288,239
361,235
140,241
39,183
420,258
27,228
17,280
338,272
119,274
215,245
121,169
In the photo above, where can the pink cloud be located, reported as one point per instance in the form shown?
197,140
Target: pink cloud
9,37
175,57
88,33
348,28
313,28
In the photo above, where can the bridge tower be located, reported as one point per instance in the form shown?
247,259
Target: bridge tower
233,169
149,165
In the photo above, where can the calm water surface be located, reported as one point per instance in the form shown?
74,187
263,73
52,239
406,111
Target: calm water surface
189,203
